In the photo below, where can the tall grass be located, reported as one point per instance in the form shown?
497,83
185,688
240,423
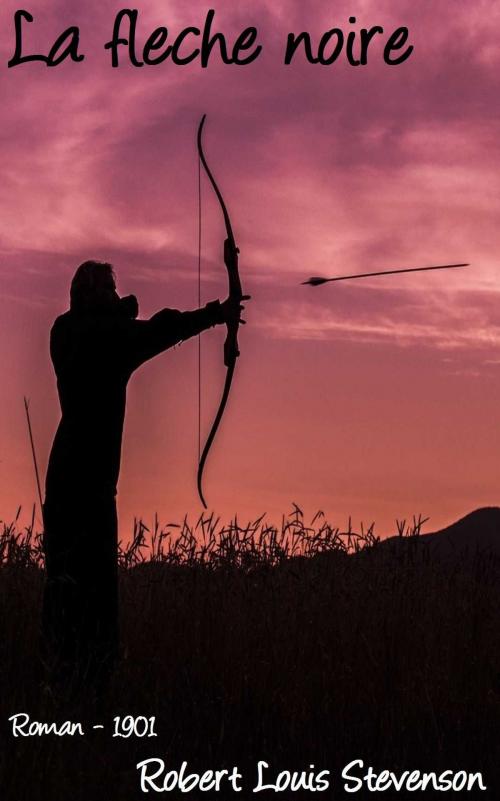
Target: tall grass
295,643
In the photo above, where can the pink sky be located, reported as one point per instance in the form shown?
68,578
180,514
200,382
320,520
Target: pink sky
377,399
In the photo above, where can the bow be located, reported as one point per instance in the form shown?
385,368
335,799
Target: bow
231,351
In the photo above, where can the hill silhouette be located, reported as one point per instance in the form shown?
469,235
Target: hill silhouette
476,533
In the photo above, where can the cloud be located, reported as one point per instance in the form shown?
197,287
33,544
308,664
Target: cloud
447,321
329,170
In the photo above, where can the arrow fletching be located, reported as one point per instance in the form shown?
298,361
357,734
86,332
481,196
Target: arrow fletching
316,280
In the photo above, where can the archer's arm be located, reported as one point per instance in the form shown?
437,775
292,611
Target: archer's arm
168,327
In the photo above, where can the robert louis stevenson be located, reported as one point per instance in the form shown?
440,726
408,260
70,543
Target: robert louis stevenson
158,777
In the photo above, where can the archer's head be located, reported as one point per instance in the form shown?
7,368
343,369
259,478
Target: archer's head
93,287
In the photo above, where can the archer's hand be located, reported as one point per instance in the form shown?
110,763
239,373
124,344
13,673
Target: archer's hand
231,309
129,306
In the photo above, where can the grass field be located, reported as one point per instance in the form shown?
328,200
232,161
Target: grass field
295,644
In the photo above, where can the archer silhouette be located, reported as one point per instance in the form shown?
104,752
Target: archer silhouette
95,348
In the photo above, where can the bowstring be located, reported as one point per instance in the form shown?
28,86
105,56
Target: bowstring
199,306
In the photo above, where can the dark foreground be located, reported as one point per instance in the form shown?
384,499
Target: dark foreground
247,653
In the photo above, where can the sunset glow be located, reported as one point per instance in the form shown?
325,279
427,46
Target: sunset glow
376,399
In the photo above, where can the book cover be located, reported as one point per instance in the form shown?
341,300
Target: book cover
248,444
